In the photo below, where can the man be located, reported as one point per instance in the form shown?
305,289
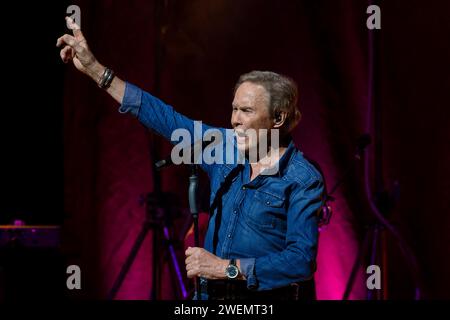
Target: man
262,236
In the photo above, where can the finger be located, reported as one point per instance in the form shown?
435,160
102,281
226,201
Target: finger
66,39
197,252
188,269
189,259
195,249
62,54
191,274
188,251
66,54
72,53
75,29
70,41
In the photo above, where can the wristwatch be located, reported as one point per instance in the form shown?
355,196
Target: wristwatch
232,270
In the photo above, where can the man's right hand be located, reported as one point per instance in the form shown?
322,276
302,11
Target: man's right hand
76,49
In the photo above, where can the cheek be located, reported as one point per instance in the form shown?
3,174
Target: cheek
246,119
262,123
252,121
268,122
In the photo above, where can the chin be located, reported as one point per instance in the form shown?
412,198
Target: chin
242,148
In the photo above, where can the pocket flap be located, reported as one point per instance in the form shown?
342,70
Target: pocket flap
269,199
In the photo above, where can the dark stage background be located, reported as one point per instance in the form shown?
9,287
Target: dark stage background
63,139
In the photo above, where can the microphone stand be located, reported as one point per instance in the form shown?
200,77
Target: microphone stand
193,188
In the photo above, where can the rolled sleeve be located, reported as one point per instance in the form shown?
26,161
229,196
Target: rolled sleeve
132,99
248,270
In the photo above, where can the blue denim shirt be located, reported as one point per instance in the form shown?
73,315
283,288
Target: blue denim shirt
269,223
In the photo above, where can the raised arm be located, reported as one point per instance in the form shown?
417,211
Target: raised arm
150,111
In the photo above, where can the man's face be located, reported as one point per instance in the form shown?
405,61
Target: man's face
250,111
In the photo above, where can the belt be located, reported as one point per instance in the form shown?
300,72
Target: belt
237,290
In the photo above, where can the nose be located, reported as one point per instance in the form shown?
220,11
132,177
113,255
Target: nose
236,119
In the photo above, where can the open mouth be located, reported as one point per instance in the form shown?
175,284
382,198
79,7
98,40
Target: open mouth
240,134
241,138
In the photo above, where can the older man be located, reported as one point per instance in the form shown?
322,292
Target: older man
262,236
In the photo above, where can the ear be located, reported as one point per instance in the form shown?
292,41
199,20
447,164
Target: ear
279,119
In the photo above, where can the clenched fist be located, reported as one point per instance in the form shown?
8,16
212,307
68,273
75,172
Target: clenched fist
201,263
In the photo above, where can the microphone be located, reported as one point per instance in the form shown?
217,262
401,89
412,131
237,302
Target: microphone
195,146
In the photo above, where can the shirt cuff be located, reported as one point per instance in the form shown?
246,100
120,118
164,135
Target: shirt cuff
248,270
131,102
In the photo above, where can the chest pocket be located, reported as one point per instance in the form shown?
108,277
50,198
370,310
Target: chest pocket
266,210
226,176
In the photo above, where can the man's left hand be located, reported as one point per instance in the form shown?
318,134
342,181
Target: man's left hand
201,263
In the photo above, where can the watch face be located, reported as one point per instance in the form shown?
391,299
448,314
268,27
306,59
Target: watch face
232,272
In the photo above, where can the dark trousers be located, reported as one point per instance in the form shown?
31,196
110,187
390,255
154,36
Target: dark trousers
237,290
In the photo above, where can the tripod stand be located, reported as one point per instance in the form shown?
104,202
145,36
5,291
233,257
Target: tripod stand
159,212
161,208
370,245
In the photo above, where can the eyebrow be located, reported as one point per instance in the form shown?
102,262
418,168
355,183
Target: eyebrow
243,107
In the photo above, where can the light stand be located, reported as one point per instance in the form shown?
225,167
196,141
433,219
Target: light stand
380,200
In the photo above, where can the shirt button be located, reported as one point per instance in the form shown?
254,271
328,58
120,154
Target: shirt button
243,188
268,202
234,211
229,235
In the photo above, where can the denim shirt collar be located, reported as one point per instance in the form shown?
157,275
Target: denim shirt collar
283,163
285,159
